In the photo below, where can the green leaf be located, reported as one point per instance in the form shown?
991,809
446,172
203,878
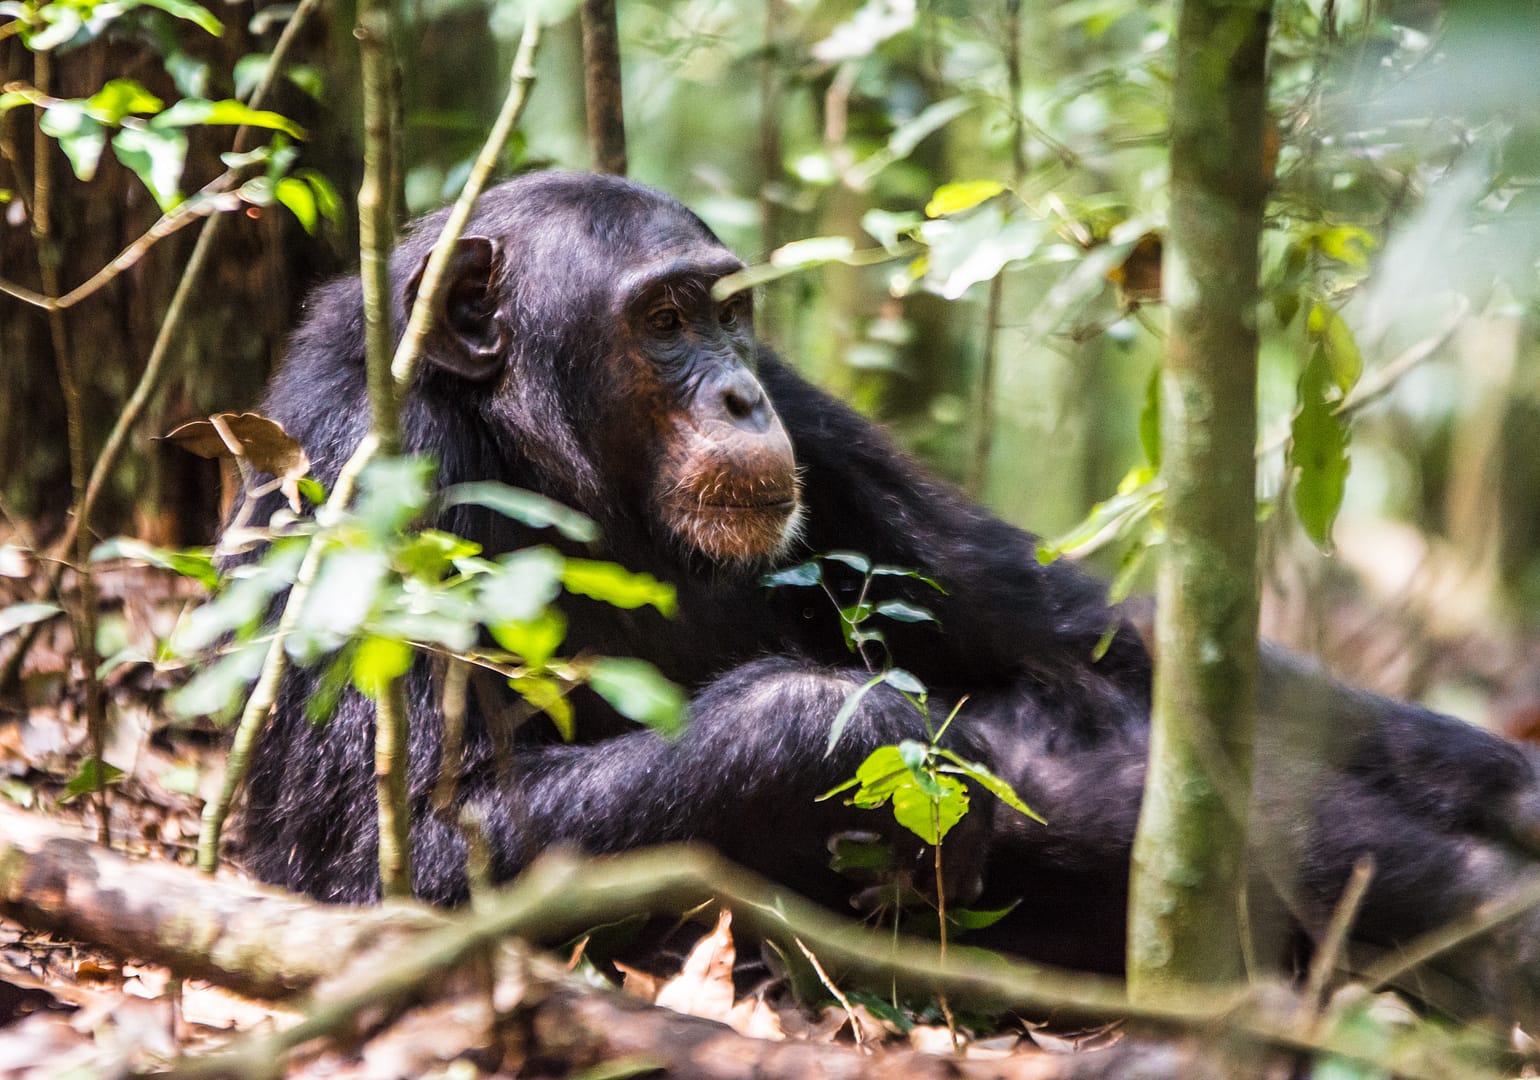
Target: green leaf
903,611
195,563
1114,518
156,157
814,251
899,679
533,510
904,572
1349,244
848,709
550,697
521,587
961,195
93,774
430,554
122,97
991,783
1319,450
219,689
859,852
808,573
378,662
327,201
81,136
393,494
346,589
931,817
638,691
536,640
1331,331
1149,420
15,616
853,559
300,199
965,919
196,14
618,586
190,112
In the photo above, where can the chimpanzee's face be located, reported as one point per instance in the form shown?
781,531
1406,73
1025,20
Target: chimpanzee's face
586,312
723,479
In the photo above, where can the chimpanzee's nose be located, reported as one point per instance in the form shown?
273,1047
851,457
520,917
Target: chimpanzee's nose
740,398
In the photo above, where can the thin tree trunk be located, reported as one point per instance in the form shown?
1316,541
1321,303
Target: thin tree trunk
1190,851
601,83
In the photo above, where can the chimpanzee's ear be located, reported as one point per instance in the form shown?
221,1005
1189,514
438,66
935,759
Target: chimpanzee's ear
466,336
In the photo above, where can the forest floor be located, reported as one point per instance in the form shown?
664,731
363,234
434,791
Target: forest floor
67,1007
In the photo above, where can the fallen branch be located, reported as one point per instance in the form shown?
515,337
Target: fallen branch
265,942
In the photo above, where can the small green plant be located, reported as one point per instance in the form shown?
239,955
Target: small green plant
923,781
387,589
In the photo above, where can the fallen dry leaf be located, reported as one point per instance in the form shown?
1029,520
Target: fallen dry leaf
705,986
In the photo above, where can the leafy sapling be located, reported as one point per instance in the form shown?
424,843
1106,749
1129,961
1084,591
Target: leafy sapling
924,781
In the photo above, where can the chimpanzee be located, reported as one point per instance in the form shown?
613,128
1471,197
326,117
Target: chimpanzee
580,353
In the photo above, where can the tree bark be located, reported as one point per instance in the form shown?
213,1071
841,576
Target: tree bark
1190,850
601,84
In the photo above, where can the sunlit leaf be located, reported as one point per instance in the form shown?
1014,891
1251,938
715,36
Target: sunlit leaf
16,616
899,679
122,97
1319,451
617,586
536,640
80,135
961,195
853,559
991,783
533,510
196,14
548,696
193,111
429,554
522,586
1329,328
931,817
638,691
300,199
195,563
155,156
813,251
378,662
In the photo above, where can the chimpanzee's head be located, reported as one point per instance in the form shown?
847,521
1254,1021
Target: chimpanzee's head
580,315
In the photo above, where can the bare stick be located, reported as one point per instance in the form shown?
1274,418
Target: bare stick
601,86
260,704
1335,940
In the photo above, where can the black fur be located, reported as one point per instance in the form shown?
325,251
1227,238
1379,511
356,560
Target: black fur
1442,807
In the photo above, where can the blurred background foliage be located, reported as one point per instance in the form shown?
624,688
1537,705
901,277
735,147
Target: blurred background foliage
974,260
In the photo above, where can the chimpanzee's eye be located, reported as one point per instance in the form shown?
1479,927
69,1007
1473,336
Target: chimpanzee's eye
733,312
664,321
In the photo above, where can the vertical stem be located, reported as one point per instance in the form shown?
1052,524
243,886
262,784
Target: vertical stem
84,612
390,749
601,84
1190,849
376,228
376,231
984,407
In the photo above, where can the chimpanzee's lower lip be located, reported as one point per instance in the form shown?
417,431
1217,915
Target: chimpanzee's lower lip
778,506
